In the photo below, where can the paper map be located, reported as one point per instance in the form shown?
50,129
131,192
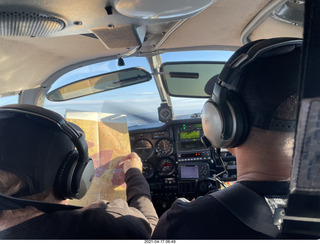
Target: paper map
108,141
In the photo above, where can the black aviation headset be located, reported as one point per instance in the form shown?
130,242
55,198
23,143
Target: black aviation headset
224,118
75,174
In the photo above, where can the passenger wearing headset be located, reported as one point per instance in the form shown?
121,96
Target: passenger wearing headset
252,112
43,162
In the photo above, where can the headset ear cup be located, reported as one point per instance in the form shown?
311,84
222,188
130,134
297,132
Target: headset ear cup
63,182
82,179
225,124
240,120
212,123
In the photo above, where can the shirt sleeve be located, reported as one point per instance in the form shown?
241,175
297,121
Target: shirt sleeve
139,197
136,217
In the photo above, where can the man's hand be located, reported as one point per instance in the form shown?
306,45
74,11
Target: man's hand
132,160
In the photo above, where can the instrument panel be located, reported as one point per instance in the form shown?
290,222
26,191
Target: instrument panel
176,163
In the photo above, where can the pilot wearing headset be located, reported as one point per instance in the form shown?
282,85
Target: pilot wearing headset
43,162
252,112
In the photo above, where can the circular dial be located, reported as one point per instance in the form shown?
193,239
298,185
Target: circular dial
164,147
165,114
143,148
147,170
166,166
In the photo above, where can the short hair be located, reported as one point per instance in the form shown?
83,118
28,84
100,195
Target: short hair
267,84
288,110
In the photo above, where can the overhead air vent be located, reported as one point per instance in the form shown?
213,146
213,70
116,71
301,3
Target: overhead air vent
14,23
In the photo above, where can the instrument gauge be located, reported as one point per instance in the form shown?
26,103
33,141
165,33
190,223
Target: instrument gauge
147,170
166,166
165,112
143,148
164,147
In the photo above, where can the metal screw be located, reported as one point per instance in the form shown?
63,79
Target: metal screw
77,23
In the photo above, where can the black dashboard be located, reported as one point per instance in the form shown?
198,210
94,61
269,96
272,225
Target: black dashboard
177,164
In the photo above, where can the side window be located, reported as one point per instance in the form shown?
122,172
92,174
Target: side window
9,100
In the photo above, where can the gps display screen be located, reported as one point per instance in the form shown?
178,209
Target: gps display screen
189,135
189,172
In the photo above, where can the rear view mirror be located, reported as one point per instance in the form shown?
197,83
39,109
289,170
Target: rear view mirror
100,83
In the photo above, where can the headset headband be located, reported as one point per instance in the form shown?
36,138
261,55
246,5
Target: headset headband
261,48
76,136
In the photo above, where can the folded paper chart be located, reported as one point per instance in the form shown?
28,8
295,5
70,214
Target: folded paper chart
108,141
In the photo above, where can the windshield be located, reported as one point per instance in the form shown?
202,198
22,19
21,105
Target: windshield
139,102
